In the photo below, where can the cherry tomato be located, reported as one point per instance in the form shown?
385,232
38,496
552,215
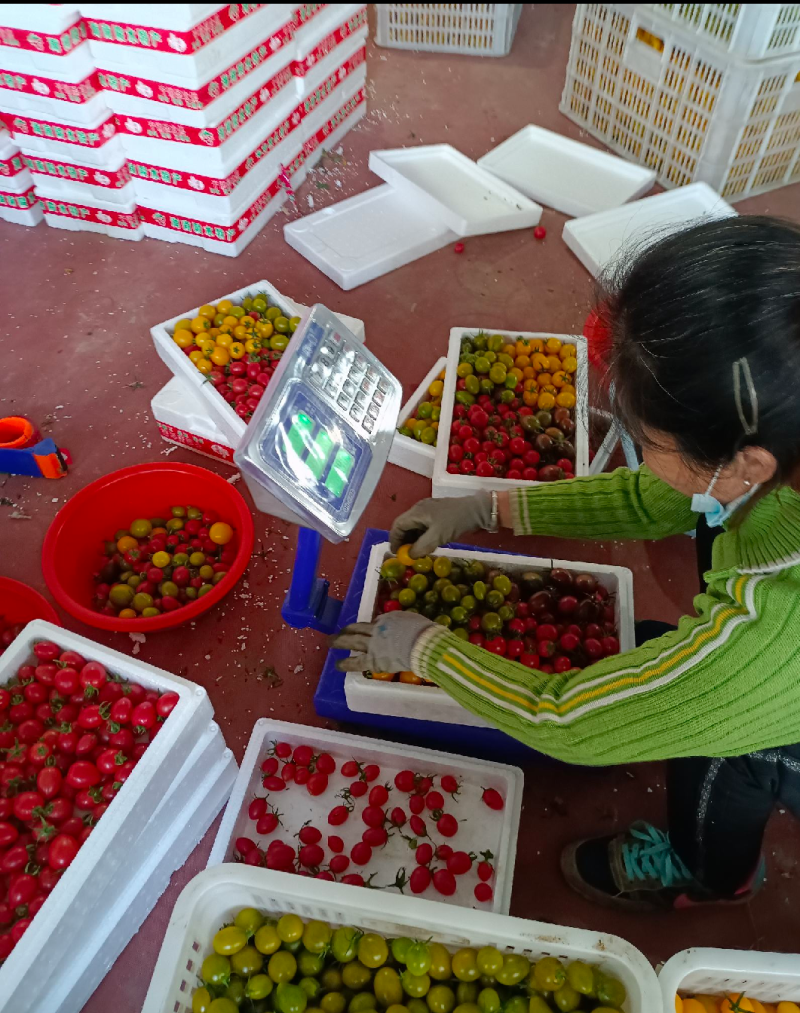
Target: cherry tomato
447,825
83,774
25,803
166,703
492,797
63,850
48,782
317,784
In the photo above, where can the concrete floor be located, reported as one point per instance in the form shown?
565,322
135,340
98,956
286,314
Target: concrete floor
78,359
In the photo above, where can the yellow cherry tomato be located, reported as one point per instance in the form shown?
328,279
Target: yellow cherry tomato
240,332
410,678
221,533
224,306
237,350
552,346
568,351
569,365
403,555
436,388
264,329
207,311
788,1007
200,324
565,399
252,345
546,401
559,378
225,340
220,356
205,366
196,355
206,345
183,338
183,325
128,614
540,362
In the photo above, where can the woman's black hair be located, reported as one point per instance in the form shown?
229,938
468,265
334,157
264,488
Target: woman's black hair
688,308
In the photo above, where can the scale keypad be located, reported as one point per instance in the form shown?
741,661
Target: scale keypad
342,375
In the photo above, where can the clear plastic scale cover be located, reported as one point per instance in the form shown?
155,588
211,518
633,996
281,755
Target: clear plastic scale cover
321,435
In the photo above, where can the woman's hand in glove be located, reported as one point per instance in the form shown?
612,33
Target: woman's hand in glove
434,522
384,645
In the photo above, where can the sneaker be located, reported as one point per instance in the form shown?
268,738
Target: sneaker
639,870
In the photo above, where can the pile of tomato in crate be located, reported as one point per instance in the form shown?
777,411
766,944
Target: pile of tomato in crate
71,734
237,347
513,415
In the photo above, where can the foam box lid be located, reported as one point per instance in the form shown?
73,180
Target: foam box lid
368,235
597,239
565,174
468,199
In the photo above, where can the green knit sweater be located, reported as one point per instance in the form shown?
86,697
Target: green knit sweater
726,682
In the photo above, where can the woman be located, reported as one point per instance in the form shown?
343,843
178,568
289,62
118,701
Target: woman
706,371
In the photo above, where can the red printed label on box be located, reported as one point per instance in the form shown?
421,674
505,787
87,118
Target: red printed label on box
19,201
208,184
207,230
193,442
304,14
301,67
69,209
41,42
11,166
334,122
93,137
329,85
62,91
208,137
166,40
199,98
79,173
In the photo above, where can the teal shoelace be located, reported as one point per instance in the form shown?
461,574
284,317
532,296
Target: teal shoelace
650,856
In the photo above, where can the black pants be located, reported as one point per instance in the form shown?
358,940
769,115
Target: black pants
718,808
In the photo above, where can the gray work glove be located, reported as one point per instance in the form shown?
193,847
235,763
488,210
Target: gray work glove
434,522
384,645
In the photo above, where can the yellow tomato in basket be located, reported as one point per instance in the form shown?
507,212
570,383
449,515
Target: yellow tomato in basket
220,356
205,366
237,350
195,356
183,338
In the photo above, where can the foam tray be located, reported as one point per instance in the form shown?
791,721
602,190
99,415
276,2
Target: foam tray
409,453
476,833
565,174
596,240
444,183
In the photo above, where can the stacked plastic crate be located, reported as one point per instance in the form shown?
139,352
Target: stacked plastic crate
211,103
51,101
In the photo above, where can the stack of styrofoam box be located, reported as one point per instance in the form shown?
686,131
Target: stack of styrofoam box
216,107
18,202
51,100
151,827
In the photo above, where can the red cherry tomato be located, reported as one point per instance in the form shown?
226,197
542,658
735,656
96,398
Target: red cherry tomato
63,849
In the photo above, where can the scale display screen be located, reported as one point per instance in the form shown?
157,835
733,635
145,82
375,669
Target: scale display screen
321,435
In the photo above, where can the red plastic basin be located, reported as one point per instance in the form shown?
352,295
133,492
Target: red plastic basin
73,547
21,604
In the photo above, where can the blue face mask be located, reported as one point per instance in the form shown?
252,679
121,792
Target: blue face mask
716,513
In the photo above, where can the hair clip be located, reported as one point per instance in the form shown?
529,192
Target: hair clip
741,367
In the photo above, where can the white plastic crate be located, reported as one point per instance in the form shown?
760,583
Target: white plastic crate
405,451
665,99
109,849
219,411
429,703
752,31
194,801
216,895
475,834
445,484
472,29
770,977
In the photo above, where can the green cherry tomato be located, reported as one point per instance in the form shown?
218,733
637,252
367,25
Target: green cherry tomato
290,928
441,999
502,584
465,964
333,1002
491,622
440,968
282,966
610,991
258,987
442,566
373,950
406,597
423,565
472,384
566,998
331,979
537,1004
489,960
344,943
516,1004
549,974
290,998
392,569
387,987
201,1000
468,1007
402,944
415,985
267,940
418,958
361,1002
356,976
310,964
248,920
416,1006
466,992
236,991
310,986
418,583
223,1005
514,970
479,590
316,936
216,970
581,977
247,961
489,1000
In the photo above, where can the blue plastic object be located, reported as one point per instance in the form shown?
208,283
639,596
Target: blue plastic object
307,604
330,701
43,460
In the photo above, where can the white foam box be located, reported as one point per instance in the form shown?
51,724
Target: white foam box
218,410
179,17
266,63
324,131
82,182
565,174
185,55
14,176
109,852
45,52
319,104
95,143
445,484
409,453
20,216
87,214
182,419
598,239
476,833
194,799
48,19
457,191
326,42
73,96
429,703
215,897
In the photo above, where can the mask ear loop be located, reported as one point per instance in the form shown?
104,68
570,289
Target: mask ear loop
713,481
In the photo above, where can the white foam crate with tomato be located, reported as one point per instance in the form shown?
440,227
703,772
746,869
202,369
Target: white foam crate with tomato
84,866
409,450
218,896
176,358
533,622
551,392
359,819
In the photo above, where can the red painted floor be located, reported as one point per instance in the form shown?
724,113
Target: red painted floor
77,358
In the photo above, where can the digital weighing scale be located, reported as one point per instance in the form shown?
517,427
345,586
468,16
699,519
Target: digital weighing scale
317,445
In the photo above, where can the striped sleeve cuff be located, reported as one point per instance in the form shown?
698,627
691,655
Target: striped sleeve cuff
518,504
427,650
